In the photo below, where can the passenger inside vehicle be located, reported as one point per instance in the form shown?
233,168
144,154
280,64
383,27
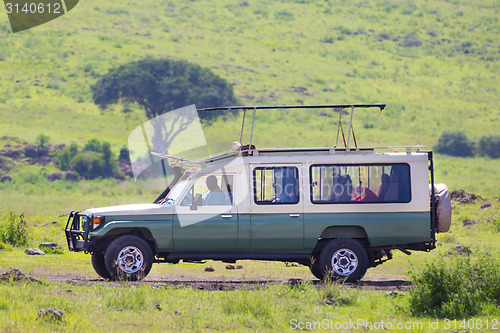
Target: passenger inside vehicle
215,196
384,186
341,189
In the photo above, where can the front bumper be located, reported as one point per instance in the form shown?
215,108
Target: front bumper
77,231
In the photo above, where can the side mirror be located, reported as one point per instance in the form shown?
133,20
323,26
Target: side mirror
197,201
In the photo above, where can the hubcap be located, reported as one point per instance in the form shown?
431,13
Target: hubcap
130,259
344,262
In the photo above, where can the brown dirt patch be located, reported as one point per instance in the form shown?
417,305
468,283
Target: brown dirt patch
222,283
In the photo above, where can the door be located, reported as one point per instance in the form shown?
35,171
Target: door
213,224
277,221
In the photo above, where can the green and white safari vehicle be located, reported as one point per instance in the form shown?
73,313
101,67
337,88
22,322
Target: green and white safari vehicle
338,210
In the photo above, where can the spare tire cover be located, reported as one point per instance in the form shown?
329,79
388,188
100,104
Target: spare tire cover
443,207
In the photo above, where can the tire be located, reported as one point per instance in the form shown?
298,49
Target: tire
128,258
99,265
343,258
315,269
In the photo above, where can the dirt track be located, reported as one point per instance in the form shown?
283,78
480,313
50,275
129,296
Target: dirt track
221,283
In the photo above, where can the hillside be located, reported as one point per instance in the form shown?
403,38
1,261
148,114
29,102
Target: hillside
434,63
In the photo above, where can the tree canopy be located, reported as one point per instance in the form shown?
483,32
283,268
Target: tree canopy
162,85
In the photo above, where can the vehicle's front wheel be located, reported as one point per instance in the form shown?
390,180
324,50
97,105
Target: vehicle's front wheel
99,265
128,258
344,258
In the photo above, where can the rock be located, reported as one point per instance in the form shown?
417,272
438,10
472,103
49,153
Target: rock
463,197
54,176
239,267
50,245
439,243
70,175
51,313
30,151
462,249
467,222
6,179
394,293
230,267
293,282
158,307
16,275
34,251
12,153
177,313
209,269
490,219
485,206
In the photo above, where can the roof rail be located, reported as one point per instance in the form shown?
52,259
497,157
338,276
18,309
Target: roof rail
228,108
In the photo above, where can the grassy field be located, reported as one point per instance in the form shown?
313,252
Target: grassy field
435,64
276,305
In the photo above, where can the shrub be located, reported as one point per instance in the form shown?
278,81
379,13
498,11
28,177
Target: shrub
490,146
14,231
455,144
42,140
66,155
42,145
456,288
93,145
88,164
124,154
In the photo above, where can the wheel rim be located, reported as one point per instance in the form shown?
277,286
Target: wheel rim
344,262
130,259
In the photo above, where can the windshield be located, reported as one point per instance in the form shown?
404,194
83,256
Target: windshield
177,189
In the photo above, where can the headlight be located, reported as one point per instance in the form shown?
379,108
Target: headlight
84,222
97,221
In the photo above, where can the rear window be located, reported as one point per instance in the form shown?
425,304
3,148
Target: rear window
360,183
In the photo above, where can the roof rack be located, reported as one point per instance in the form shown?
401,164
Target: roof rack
341,107
251,150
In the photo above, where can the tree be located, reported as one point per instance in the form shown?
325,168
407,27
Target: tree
490,146
455,144
162,85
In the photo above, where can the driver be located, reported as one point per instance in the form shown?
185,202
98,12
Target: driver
215,196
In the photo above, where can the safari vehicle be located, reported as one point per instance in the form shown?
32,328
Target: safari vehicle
337,210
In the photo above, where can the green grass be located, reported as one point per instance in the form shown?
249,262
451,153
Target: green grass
105,307
434,63
108,306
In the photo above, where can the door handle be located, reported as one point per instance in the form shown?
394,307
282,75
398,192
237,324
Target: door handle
294,215
226,216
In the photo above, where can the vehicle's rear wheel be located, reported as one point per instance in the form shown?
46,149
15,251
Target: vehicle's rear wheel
343,258
99,265
315,269
128,258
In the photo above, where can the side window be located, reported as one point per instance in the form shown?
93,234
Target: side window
360,183
276,185
216,190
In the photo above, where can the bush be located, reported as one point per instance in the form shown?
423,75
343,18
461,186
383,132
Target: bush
14,231
88,164
66,155
490,146
458,288
455,144
124,154
95,160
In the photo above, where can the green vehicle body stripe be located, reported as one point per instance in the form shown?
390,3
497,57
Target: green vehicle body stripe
277,232
382,229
